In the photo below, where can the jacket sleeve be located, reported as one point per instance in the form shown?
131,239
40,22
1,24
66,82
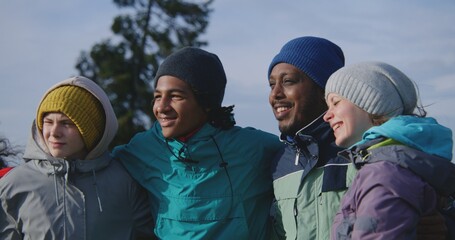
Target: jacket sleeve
142,216
277,231
8,223
388,202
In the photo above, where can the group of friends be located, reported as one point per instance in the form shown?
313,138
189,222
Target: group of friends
357,157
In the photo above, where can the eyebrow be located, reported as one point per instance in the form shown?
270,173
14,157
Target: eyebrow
280,76
65,119
172,90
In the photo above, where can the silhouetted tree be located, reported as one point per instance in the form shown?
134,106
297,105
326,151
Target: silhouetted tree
125,65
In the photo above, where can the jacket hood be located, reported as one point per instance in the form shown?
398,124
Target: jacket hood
435,170
424,134
36,147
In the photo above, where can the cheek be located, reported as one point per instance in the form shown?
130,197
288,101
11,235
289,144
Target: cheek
154,106
45,132
154,110
77,137
270,98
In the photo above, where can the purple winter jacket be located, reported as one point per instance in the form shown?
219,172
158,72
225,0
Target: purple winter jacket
385,201
395,185
403,164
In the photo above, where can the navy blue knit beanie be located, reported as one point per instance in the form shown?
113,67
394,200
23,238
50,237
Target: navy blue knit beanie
202,70
316,57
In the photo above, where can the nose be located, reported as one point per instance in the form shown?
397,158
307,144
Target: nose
55,130
276,92
161,105
328,115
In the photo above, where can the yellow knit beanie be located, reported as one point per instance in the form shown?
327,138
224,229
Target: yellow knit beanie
81,107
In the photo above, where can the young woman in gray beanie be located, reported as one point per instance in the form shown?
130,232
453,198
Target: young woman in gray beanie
403,157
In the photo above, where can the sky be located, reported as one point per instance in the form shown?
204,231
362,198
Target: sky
40,42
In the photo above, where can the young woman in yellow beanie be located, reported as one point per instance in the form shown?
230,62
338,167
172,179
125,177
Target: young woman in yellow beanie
403,157
70,187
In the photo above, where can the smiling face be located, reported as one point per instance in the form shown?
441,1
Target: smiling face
175,107
295,99
348,121
62,137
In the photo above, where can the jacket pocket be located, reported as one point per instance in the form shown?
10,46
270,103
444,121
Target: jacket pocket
197,217
283,210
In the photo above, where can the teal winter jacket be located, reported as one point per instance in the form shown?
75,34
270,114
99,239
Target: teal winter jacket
216,185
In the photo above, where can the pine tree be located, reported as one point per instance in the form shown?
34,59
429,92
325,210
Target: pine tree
125,65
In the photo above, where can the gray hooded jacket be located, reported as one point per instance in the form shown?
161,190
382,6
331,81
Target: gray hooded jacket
94,198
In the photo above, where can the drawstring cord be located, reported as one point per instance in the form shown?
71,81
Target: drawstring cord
185,159
55,187
96,190
224,165
64,193
67,167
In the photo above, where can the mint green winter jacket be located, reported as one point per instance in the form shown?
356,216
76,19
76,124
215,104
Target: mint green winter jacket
309,180
217,185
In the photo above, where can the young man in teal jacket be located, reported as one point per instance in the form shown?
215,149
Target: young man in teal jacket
208,179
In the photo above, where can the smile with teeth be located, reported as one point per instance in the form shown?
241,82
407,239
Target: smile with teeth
166,120
281,109
336,126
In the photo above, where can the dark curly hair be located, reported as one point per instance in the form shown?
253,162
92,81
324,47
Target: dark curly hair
222,117
6,150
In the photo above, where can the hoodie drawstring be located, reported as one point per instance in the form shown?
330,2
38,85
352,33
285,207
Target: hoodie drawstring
67,167
96,190
55,187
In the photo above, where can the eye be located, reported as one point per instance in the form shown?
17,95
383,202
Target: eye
157,96
288,81
177,97
68,124
272,84
47,122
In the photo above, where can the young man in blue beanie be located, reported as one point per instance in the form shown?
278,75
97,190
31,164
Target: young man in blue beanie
309,178
208,178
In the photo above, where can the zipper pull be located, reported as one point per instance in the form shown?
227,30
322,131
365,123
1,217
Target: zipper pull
297,158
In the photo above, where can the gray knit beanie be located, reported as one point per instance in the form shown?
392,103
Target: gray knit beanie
378,88
202,70
317,57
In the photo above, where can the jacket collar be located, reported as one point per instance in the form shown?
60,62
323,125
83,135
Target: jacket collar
317,133
314,129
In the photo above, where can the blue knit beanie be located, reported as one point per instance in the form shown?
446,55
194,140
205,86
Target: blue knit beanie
316,57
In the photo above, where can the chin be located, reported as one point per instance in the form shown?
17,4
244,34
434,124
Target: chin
167,136
342,144
286,130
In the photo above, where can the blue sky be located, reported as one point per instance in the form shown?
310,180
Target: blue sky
41,40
